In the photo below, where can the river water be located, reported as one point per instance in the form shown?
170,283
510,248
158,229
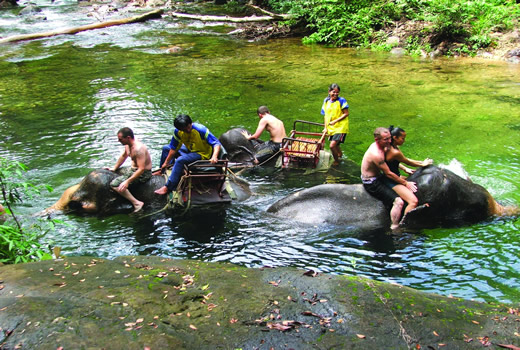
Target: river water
62,100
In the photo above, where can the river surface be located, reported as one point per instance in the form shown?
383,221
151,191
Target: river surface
62,100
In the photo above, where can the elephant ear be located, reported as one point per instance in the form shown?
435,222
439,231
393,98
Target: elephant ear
415,217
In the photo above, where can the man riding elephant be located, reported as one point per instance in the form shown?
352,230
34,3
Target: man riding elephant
139,172
194,142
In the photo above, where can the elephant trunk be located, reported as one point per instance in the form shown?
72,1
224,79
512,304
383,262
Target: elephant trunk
500,210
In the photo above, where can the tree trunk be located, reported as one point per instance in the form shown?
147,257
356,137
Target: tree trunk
74,30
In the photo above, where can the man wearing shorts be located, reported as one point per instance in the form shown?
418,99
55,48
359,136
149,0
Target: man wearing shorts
139,172
375,173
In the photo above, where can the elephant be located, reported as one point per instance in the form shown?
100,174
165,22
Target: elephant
241,150
445,200
93,195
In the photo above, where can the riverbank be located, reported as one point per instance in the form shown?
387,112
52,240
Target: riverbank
404,36
140,302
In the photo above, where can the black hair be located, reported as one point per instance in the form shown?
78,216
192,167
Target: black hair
126,132
182,121
334,86
395,131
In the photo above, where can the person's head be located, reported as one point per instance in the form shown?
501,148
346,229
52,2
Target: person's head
183,122
124,134
262,110
334,91
382,136
398,135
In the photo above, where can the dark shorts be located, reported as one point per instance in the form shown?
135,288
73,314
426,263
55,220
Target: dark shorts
388,182
378,189
126,172
339,138
266,150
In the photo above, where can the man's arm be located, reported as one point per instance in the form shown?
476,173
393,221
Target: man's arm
169,157
121,160
140,160
261,126
216,151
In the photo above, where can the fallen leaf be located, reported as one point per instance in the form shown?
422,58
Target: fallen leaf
193,327
233,320
310,273
361,336
111,296
75,273
475,322
273,283
512,347
139,320
435,334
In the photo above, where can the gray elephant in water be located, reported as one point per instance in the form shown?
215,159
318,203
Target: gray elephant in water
241,150
452,201
94,195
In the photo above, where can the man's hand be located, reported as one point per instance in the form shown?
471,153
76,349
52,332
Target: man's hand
411,186
246,134
213,160
427,162
123,186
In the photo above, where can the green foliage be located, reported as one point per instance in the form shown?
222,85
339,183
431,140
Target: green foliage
20,241
358,22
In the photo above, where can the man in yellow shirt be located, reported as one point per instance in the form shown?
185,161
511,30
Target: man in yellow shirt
194,142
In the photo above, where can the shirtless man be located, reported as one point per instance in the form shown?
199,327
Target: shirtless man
139,172
276,130
375,172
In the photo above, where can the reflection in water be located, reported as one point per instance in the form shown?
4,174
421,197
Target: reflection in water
63,99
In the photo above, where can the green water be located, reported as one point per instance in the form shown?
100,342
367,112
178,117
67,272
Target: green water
63,99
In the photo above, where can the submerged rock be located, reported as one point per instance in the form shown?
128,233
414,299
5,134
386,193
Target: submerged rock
138,302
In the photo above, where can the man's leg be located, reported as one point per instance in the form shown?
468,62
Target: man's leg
126,172
177,171
395,212
138,205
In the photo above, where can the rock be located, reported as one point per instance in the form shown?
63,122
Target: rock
398,51
29,10
393,41
151,302
513,52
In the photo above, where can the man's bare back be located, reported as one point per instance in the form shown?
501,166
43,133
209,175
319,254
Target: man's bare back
275,127
269,122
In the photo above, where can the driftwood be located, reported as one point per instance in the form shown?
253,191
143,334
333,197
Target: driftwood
208,18
74,30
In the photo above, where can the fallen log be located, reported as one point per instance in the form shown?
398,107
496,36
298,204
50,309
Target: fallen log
135,19
209,18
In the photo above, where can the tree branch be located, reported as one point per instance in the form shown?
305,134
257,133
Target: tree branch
74,30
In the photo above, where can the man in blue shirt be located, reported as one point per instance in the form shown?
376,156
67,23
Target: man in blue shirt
193,142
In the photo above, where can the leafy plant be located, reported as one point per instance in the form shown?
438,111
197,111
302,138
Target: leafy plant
466,24
20,241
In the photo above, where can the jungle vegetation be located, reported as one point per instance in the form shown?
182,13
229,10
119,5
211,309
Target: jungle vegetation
460,26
